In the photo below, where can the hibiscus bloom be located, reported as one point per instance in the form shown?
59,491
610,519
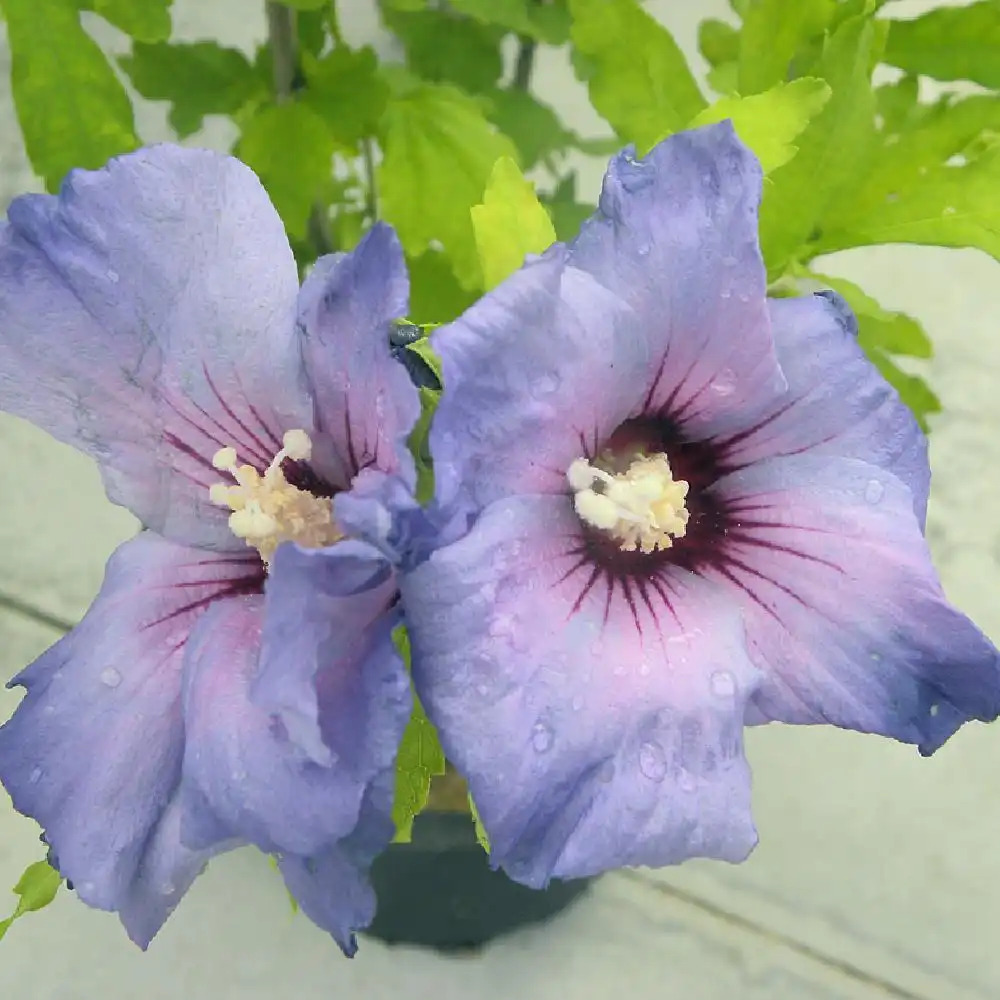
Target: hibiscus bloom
689,508
235,680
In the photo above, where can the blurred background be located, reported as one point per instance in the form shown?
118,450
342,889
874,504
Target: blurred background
878,872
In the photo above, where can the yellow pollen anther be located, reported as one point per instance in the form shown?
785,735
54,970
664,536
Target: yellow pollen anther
642,507
267,509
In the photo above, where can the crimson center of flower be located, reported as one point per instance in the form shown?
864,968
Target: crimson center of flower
267,509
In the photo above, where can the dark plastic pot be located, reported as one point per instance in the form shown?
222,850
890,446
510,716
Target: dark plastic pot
439,890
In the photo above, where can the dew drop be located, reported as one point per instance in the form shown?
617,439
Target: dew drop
643,250
644,669
948,210
577,703
724,383
729,261
85,888
725,294
723,684
168,888
35,776
541,737
652,761
934,709
113,277
546,385
687,781
110,677
874,491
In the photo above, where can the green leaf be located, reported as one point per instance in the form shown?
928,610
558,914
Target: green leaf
509,223
438,151
199,78
533,126
833,150
641,82
444,47
294,182
949,206
722,78
718,41
896,103
73,110
481,835
547,22
768,122
303,4
435,294
773,31
950,43
36,888
143,20
344,87
568,214
419,760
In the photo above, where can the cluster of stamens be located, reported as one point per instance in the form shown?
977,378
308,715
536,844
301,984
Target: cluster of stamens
642,507
268,510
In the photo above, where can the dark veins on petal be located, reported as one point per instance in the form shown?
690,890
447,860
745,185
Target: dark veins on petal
718,529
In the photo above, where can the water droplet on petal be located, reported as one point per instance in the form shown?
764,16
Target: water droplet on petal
113,277
729,261
874,491
687,781
577,703
110,677
643,249
726,293
644,669
35,776
934,709
723,684
724,383
541,737
168,888
652,761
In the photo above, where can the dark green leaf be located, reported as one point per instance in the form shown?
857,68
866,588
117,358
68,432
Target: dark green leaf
144,20
420,758
73,110
568,214
718,42
722,78
435,294
533,126
548,22
439,151
773,31
833,150
896,103
444,47
641,82
950,43
294,182
199,78
303,4
344,87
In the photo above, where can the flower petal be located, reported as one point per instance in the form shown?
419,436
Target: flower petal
147,316
329,668
537,373
598,721
843,609
676,237
837,402
364,397
93,752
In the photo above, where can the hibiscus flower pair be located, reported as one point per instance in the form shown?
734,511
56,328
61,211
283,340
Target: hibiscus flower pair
665,507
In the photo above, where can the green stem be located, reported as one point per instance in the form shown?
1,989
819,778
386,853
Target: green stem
525,58
371,191
281,35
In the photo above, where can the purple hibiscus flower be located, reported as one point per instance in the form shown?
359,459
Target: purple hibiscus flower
224,687
689,508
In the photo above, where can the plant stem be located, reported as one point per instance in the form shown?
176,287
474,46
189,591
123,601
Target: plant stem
371,191
525,58
281,35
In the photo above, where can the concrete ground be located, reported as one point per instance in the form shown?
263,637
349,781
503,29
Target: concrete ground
878,873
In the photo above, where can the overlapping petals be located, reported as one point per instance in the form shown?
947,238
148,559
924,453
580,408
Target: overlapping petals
151,316
595,697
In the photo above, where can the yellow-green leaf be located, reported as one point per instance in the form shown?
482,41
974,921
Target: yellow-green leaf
509,223
36,888
769,122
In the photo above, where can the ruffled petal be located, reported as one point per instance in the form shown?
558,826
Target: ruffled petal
598,720
94,750
333,888
366,402
147,316
676,237
837,402
328,666
537,373
844,612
